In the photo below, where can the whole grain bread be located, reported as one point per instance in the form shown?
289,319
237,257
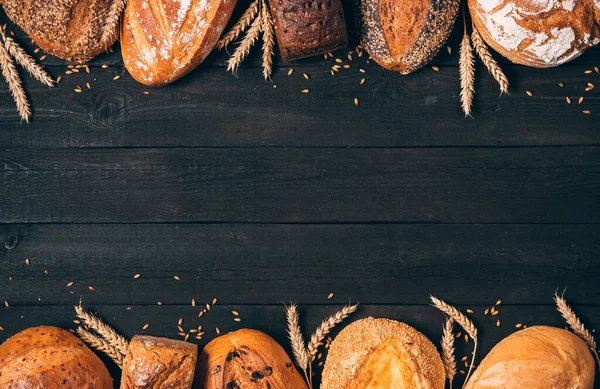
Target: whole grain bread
308,27
69,29
404,35
50,357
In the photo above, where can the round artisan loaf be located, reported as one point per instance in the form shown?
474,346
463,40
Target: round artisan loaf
538,357
69,29
404,35
247,359
538,33
382,354
50,357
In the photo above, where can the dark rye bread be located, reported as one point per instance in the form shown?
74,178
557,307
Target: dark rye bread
308,27
69,29
404,35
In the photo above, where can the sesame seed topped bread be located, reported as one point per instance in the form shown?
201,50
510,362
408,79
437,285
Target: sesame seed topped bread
538,357
382,354
69,29
538,33
404,35
50,357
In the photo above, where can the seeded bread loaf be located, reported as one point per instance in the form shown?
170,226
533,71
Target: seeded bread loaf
542,33
50,357
69,29
404,35
308,27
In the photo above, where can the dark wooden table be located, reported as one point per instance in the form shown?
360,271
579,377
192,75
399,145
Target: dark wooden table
258,195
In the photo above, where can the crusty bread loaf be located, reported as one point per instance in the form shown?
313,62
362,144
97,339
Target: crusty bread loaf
382,354
50,357
538,357
159,363
404,35
247,359
69,29
308,27
163,40
537,33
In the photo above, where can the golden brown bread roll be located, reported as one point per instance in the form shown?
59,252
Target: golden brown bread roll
382,354
163,40
69,29
159,363
247,359
538,357
50,357
541,33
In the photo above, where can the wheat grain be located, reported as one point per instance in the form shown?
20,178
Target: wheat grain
316,339
114,14
244,48
100,344
448,351
26,61
103,329
14,84
490,63
268,41
575,324
467,75
240,26
301,356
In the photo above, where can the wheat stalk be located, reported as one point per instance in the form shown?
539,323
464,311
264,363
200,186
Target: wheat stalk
26,61
100,344
103,329
448,351
240,26
467,75
295,334
490,63
14,84
245,45
576,324
268,41
316,339
463,321
114,14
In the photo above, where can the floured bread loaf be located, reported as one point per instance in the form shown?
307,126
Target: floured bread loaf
404,35
538,33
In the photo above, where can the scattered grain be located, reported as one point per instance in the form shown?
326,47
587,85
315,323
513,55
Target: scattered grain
290,72
87,84
115,78
27,261
561,84
180,321
214,301
498,323
586,112
518,325
58,79
145,327
305,90
580,100
435,68
330,296
362,70
339,60
193,302
218,331
43,57
235,313
146,92
469,311
70,284
135,277
362,81
568,100
305,76
78,89
91,288
237,319
105,66
177,278
588,71
529,93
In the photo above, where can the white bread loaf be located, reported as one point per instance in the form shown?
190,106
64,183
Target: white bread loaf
538,33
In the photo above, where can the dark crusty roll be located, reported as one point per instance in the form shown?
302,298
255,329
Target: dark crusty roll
404,35
50,357
159,363
69,29
308,27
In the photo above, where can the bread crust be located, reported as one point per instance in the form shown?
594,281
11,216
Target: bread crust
50,357
538,357
163,40
159,363
380,354
69,29
540,34
247,359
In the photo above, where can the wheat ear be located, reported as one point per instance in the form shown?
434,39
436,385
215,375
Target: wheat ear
110,24
448,351
464,322
490,63
103,329
317,338
240,26
26,61
101,345
467,70
575,324
14,84
268,41
297,340
245,45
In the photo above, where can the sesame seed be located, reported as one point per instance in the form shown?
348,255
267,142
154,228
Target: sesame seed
115,78
135,277
146,92
105,66
586,112
305,91
218,331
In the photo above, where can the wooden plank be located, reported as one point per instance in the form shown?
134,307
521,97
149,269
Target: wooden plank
462,185
271,319
249,263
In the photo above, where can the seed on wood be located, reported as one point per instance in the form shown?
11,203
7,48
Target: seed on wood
330,296
218,331
304,90
466,338
469,311
159,303
495,313
193,302
87,69
91,288
208,307
1,328
586,112
498,323
145,327
356,101
362,70
518,325
435,68
529,93
180,321
346,66
135,277
58,79
588,71
115,78
235,313
68,72
146,92
37,50
88,85
201,313
568,100
362,81
27,261
186,337
237,319
561,84
581,100
305,76
181,330
6,303
43,57
75,70
339,60
214,301
105,66
290,72
449,50
487,310
70,284
177,278
78,89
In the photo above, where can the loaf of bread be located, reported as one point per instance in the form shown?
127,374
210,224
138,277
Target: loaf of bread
69,29
50,357
308,27
382,354
163,40
538,357
537,33
405,35
247,359
159,363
